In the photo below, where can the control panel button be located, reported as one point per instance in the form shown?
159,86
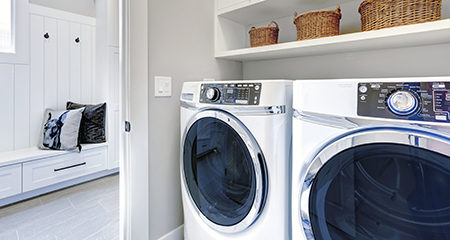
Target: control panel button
363,89
403,103
441,117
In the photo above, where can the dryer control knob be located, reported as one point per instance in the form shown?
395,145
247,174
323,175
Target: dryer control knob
213,94
403,103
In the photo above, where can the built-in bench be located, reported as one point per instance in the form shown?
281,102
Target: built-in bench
29,172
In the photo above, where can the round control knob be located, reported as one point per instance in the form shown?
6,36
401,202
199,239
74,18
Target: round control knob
403,103
213,94
363,89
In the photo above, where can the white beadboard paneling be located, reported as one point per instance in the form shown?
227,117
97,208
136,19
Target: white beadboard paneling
86,63
113,108
95,93
21,106
36,77
116,78
7,110
63,63
50,63
75,63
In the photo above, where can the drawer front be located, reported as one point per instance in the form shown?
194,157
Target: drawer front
44,172
10,180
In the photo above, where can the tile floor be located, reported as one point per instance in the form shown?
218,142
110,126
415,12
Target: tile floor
86,211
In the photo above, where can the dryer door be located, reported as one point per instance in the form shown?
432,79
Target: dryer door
224,171
380,183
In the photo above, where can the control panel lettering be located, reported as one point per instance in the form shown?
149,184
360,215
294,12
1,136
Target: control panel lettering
231,93
419,101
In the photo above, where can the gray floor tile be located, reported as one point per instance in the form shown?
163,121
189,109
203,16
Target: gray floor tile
19,207
109,232
86,211
8,235
35,214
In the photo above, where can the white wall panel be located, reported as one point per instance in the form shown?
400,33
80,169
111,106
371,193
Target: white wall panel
50,64
94,91
7,110
63,63
59,70
36,77
21,106
75,63
86,63
114,108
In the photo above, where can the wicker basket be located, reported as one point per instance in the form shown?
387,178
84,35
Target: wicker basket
317,24
378,14
264,35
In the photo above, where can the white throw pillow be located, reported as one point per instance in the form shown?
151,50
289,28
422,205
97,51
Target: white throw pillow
60,129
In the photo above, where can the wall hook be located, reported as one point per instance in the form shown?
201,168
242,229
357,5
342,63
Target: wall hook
77,40
46,36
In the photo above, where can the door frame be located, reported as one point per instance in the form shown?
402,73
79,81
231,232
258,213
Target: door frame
124,73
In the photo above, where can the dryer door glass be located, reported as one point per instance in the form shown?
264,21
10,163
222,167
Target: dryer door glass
382,191
219,172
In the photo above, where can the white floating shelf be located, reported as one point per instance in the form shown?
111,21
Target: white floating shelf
430,33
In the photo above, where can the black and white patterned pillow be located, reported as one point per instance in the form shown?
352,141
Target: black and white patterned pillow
60,129
93,122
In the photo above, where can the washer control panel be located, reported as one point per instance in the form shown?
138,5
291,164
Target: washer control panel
231,93
419,101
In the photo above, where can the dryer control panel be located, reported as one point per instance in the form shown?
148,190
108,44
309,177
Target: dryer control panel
419,101
231,93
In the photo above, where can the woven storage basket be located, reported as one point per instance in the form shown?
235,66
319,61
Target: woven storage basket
378,14
317,24
264,35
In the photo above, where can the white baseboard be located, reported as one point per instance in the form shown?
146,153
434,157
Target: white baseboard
176,234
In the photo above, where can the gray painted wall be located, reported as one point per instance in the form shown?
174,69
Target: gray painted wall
430,60
83,7
181,46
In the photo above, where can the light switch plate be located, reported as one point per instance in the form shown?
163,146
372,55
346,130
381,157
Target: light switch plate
163,86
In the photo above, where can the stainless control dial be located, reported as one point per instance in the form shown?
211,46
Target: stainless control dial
213,94
403,103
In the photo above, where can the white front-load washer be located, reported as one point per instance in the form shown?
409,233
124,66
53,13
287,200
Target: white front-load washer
235,158
371,159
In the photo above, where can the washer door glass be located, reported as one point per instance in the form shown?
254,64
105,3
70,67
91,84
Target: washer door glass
219,171
382,191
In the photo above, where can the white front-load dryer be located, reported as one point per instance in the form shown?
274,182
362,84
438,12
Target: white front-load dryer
371,159
235,157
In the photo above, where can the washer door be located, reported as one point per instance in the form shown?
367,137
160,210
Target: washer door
224,171
388,183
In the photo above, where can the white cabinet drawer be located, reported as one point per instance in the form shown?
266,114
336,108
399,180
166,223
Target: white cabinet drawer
44,172
10,180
